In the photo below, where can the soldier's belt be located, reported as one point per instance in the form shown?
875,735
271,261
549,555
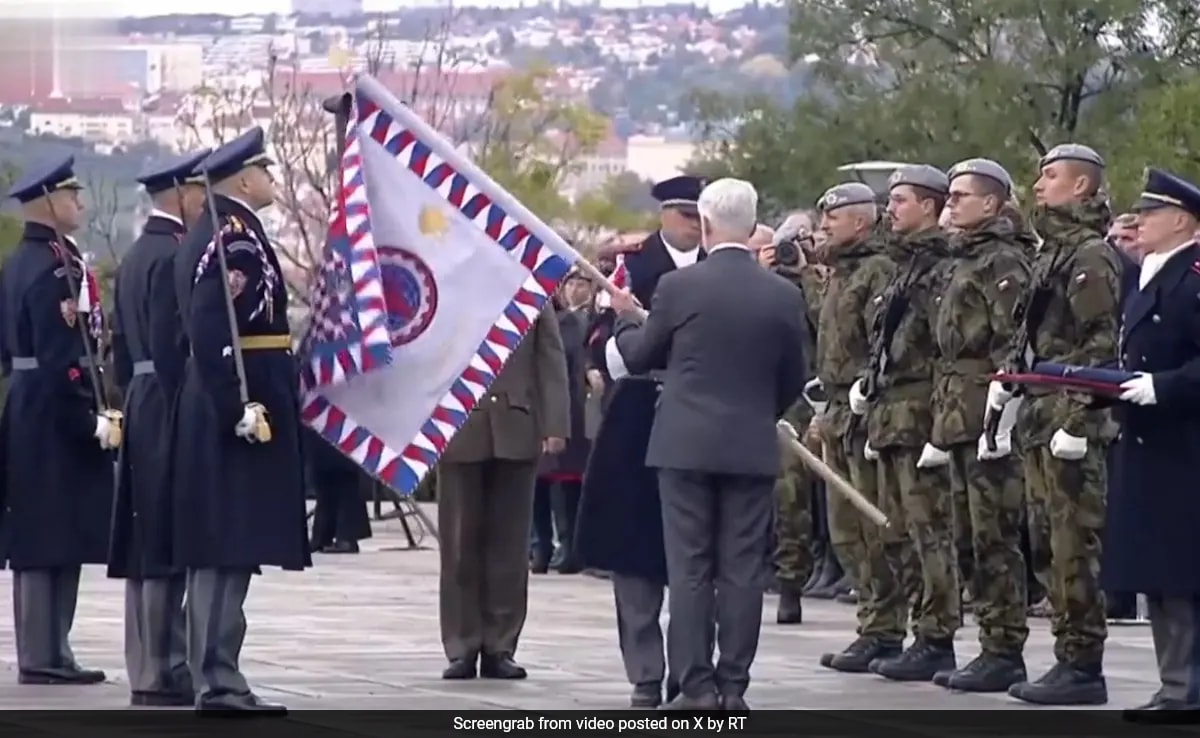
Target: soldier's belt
30,363
278,342
142,368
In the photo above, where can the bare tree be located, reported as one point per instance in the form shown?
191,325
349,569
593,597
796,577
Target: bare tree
103,228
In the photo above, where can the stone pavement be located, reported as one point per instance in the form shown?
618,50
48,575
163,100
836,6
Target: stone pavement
361,632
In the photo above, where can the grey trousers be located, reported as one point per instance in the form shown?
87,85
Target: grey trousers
639,606
715,527
43,613
156,635
1175,628
216,629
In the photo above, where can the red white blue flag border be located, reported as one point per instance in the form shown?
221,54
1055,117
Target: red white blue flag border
434,161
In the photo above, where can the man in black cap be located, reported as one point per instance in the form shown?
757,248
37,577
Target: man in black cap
56,438
239,470
1150,542
619,492
145,310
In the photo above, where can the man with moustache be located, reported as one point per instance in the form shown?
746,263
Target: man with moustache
1070,317
149,354
973,325
894,397
1151,545
861,271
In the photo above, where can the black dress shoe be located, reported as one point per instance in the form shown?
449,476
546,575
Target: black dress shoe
702,702
539,564
460,669
1160,711
341,547
648,695
162,699
61,676
672,689
500,666
249,705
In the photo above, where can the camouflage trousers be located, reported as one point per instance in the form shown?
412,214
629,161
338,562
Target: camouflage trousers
1037,527
793,523
921,503
1072,495
993,497
871,555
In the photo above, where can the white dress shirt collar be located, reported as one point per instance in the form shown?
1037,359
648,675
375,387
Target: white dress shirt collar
680,258
156,213
1153,263
728,245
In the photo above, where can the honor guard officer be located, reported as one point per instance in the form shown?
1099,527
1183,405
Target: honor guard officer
619,492
1150,542
155,638
57,437
239,472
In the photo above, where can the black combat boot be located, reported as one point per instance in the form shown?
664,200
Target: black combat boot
857,657
988,672
848,598
1064,685
819,551
825,573
919,662
790,611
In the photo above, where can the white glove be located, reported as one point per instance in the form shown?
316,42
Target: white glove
1139,390
817,405
997,396
104,433
932,456
614,361
858,399
1003,447
247,427
788,428
869,453
1067,447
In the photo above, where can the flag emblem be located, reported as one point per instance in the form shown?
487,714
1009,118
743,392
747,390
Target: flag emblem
410,293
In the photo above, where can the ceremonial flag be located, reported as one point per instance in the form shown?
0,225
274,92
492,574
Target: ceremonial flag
433,275
619,279
1070,378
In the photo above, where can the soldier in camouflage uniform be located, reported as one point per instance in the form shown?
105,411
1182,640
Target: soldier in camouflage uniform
974,326
861,271
793,489
1070,317
895,397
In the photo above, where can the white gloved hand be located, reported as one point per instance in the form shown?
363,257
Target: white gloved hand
997,396
788,428
1003,447
104,433
858,398
932,456
1067,447
810,386
247,427
1139,390
869,453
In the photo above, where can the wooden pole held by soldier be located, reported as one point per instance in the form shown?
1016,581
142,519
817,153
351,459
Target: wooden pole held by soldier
791,443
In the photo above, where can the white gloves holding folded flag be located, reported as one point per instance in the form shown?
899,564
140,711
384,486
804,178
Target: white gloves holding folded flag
1139,390
1004,429
997,396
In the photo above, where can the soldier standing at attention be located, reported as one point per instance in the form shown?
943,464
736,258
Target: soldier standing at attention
56,442
861,271
1070,317
793,489
895,397
1150,544
155,626
974,326
239,476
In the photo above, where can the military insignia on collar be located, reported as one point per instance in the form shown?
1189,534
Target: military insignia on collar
69,310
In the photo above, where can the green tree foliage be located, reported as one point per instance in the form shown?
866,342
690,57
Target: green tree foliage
942,80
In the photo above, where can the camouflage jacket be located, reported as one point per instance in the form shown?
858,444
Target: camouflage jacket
901,413
811,279
974,325
1079,319
861,272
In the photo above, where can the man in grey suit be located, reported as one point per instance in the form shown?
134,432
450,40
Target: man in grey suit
728,334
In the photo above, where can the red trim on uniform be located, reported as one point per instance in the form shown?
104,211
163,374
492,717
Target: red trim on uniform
563,477
74,374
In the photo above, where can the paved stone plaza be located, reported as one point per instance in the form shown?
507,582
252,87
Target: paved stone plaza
361,632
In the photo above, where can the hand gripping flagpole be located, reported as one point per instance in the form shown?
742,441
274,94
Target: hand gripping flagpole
262,428
115,417
339,106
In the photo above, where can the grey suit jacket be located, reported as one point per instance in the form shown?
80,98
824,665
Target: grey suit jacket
730,338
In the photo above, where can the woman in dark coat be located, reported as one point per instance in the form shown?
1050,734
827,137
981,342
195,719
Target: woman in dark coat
340,520
556,497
